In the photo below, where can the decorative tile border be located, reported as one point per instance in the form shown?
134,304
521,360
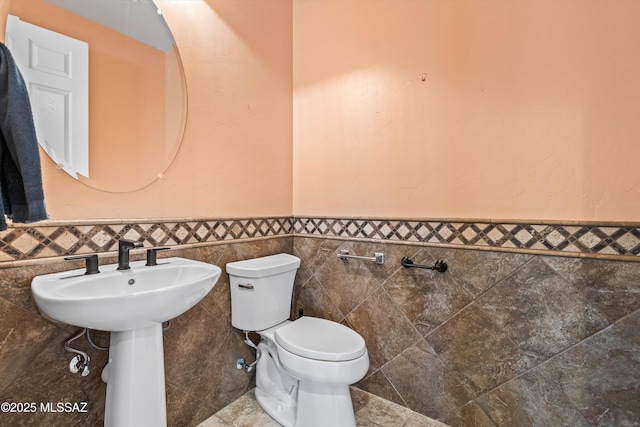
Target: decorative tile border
52,239
568,239
63,238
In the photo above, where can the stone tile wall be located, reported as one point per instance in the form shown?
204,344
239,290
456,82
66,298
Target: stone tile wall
509,335
500,339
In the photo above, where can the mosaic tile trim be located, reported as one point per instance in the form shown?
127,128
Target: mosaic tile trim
55,239
62,239
609,240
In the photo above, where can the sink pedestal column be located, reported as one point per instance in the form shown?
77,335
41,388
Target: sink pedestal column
135,384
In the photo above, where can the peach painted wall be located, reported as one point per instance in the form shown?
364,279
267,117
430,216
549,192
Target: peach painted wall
236,157
4,9
528,110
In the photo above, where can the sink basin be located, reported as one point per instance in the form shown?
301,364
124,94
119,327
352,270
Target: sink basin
123,300
132,304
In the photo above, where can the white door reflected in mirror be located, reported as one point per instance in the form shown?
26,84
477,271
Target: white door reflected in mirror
55,68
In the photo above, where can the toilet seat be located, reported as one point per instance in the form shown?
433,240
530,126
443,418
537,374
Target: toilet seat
320,339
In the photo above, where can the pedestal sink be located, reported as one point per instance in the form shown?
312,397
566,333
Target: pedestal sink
132,304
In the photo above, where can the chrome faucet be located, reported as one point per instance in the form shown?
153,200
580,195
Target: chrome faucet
123,252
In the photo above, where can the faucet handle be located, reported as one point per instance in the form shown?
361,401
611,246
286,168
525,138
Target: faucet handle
152,255
91,264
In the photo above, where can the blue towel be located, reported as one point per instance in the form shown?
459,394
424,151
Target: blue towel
20,174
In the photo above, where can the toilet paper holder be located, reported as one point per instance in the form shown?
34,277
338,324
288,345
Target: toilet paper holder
440,266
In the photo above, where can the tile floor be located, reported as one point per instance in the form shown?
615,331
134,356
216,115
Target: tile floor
371,411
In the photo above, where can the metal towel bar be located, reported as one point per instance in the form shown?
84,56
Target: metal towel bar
377,257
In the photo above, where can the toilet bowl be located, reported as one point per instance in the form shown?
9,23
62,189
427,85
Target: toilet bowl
304,366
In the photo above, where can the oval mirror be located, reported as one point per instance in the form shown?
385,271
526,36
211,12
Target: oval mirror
135,106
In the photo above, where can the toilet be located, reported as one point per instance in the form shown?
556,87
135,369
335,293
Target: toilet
304,367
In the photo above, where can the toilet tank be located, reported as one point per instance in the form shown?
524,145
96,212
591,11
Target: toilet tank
261,290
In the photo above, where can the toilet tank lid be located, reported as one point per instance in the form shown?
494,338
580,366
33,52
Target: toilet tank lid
263,266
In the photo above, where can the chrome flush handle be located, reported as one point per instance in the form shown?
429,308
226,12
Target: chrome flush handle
245,286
